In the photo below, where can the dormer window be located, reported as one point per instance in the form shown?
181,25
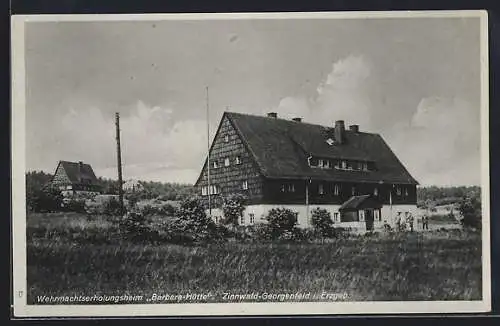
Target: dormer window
227,161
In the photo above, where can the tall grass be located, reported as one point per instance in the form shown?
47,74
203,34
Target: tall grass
418,266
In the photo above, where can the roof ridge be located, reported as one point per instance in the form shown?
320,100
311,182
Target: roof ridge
295,122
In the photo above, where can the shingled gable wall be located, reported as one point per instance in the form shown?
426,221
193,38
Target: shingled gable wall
60,179
229,179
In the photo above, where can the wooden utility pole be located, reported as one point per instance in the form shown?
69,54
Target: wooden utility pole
119,161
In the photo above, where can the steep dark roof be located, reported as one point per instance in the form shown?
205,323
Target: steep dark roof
360,202
76,172
281,147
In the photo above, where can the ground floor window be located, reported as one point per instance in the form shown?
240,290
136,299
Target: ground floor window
252,218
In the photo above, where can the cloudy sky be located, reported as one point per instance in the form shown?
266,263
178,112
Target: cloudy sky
415,81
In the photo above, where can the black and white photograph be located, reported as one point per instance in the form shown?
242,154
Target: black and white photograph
250,164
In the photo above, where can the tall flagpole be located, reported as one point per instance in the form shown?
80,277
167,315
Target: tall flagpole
208,155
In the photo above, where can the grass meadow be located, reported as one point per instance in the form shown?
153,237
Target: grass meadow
71,254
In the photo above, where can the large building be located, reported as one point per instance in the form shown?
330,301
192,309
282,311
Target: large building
75,179
277,162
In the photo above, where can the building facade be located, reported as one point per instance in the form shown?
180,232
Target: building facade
276,162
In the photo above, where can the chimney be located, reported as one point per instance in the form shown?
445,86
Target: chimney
354,128
272,115
297,119
339,131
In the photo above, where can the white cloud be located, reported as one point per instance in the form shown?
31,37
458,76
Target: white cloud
439,144
154,147
342,95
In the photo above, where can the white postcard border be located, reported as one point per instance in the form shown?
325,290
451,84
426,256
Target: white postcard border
21,309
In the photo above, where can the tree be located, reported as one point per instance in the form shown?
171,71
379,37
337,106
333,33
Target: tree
46,200
282,222
233,208
470,210
195,222
321,221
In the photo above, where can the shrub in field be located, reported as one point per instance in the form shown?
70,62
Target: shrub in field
112,207
46,200
74,205
134,227
282,223
161,210
470,210
195,221
322,222
233,208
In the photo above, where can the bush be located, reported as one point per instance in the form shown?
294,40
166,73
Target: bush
196,223
322,222
470,209
112,208
46,200
162,210
74,205
282,223
233,208
134,227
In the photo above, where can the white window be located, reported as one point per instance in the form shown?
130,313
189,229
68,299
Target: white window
406,192
361,216
365,166
282,188
327,164
252,218
69,187
237,160
214,190
245,185
320,163
336,217
321,190
336,190
226,161
291,187
398,191
215,164
344,165
330,141
204,191
226,138
375,191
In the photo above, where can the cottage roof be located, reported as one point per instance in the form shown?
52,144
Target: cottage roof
281,147
78,171
360,202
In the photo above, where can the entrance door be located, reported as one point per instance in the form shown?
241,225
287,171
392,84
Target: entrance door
369,219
